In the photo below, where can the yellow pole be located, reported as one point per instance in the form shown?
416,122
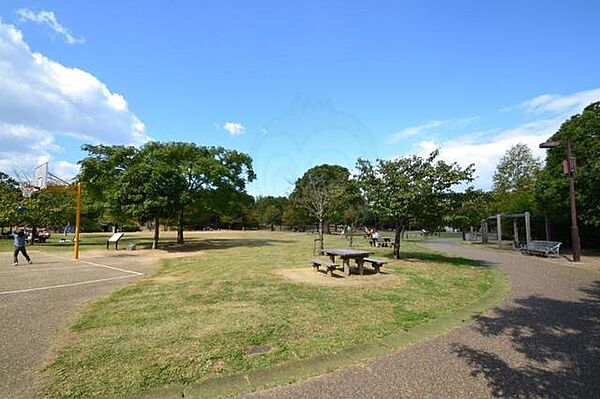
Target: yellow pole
77,220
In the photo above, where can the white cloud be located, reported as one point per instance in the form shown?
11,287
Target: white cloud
556,103
427,127
485,154
485,148
48,18
234,128
415,130
43,101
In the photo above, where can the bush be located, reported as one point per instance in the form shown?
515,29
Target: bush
130,228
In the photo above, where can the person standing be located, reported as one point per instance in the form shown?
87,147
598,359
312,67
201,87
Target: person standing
20,241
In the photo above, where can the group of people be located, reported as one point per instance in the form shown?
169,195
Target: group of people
373,234
19,243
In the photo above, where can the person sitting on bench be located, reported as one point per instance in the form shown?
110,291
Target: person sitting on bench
375,237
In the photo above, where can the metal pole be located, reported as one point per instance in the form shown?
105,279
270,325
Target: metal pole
574,229
77,221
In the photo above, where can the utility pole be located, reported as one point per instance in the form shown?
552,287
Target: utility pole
569,169
575,242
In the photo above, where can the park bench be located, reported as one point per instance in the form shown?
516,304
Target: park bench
545,248
383,242
330,266
377,263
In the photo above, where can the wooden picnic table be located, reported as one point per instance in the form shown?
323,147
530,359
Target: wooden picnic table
346,254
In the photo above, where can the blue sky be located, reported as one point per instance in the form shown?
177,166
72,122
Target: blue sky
293,83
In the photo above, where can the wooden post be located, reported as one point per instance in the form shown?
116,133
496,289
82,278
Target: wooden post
499,223
484,232
527,227
360,263
346,263
77,221
515,232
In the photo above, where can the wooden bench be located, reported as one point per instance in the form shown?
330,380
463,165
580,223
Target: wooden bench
387,242
545,248
330,266
377,263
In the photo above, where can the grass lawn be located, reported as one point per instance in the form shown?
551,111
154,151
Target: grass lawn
197,318
90,241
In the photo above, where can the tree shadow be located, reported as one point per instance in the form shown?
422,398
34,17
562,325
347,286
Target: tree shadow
559,339
435,257
200,244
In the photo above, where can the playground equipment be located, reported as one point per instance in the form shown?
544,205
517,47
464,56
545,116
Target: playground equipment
486,235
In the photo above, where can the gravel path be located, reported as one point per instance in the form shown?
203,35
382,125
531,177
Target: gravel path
543,340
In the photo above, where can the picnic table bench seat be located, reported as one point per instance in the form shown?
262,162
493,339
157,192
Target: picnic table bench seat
545,248
327,264
382,242
377,263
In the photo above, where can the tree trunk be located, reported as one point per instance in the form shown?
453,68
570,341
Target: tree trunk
321,222
156,232
272,227
115,228
397,237
328,227
180,227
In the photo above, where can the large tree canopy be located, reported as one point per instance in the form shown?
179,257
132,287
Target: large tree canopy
161,180
583,130
205,170
514,180
411,189
100,176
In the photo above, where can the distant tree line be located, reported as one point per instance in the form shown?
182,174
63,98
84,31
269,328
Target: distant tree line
187,186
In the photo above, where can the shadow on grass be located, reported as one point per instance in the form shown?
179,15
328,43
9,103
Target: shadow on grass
437,257
192,245
560,340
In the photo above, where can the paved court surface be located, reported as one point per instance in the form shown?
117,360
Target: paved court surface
37,300
543,340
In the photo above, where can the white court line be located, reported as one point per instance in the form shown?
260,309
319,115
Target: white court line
50,287
25,268
93,264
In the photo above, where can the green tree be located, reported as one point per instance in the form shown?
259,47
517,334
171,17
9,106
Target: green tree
52,207
296,216
162,180
150,187
10,197
469,208
100,176
269,210
552,192
410,189
321,191
206,170
514,180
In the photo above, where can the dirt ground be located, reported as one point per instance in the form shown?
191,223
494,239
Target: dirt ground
307,275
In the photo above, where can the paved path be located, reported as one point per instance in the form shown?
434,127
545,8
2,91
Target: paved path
543,340
36,301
